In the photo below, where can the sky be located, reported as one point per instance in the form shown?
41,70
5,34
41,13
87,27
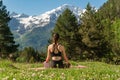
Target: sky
37,7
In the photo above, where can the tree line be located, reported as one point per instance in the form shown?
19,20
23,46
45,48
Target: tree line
96,37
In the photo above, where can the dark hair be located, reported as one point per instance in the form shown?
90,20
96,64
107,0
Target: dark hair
55,37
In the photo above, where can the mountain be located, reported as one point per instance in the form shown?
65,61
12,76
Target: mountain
35,31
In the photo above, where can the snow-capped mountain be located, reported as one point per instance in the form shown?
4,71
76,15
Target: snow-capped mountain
23,26
28,23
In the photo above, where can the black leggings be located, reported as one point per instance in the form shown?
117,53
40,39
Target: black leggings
57,64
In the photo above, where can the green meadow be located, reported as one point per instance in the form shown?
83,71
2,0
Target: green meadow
30,71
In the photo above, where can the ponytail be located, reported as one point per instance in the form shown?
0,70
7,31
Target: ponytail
55,37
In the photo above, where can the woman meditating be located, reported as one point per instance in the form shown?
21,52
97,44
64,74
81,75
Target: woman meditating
56,53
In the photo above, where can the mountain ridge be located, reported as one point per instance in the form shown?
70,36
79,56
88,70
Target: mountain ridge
25,28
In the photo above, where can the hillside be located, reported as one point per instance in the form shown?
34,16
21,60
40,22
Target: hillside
36,30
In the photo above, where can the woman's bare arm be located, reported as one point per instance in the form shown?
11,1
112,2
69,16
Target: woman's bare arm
48,54
64,54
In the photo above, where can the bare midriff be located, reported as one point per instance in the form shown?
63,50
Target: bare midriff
56,58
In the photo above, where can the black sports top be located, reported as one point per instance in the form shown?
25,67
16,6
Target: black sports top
56,54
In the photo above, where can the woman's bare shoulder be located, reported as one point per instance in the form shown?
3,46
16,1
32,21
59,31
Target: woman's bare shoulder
50,46
61,47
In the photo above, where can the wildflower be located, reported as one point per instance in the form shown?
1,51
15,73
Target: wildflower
63,76
14,79
41,75
33,74
52,75
6,78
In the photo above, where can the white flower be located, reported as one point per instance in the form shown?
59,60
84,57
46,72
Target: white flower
14,79
33,74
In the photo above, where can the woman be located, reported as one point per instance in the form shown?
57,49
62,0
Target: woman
56,52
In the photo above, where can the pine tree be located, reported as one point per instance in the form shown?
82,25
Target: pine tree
7,43
109,15
116,40
67,27
110,9
91,30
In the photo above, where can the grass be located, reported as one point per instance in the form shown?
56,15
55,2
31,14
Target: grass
94,71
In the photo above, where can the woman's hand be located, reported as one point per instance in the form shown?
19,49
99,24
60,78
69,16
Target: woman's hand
67,65
67,62
46,64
